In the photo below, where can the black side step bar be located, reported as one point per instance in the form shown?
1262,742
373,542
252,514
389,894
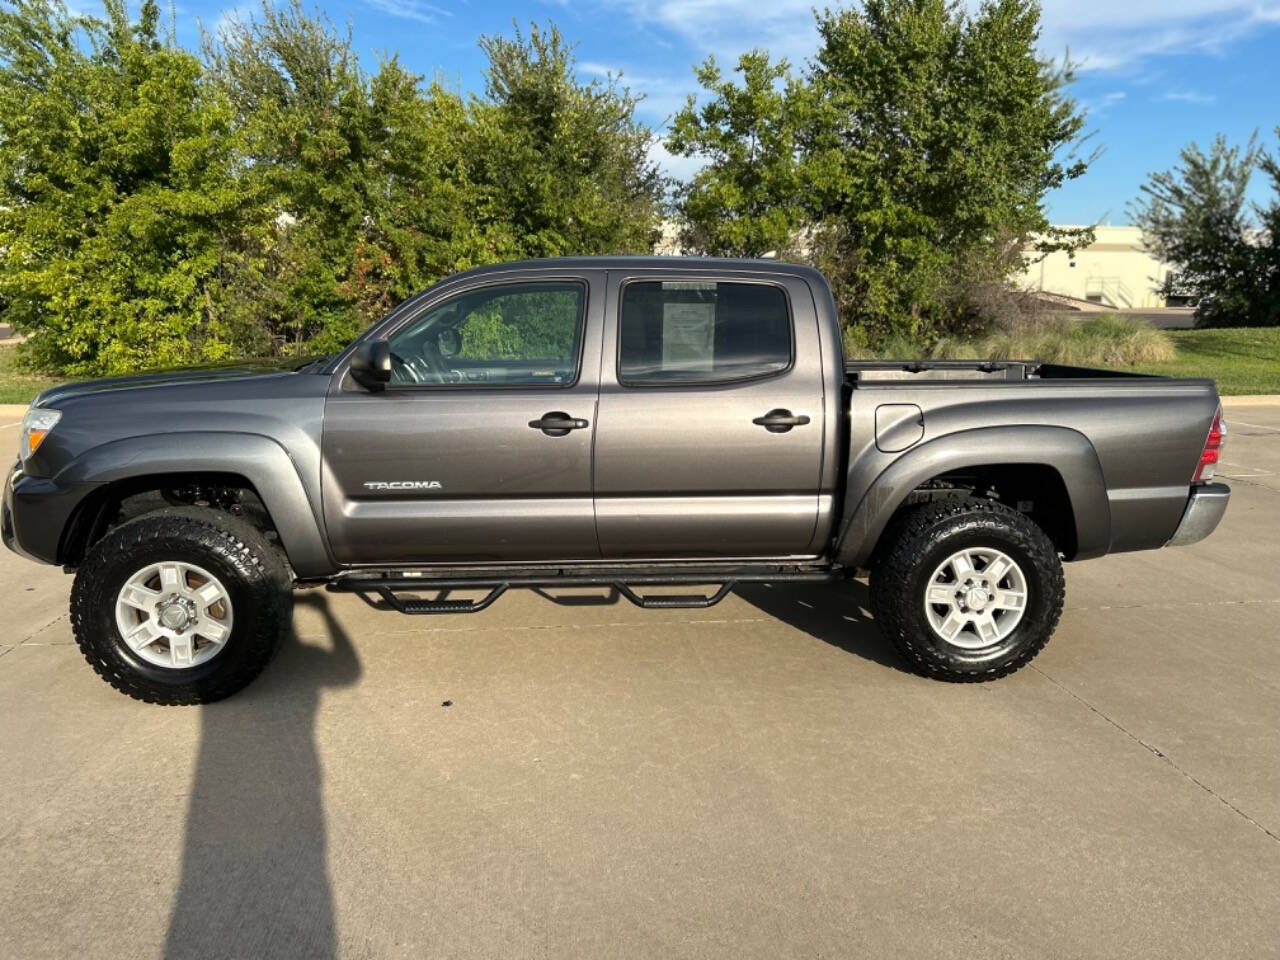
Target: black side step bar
660,601
388,588
404,605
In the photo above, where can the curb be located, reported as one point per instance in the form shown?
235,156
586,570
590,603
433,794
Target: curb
1253,400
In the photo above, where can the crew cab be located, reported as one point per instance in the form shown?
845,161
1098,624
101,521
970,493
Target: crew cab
633,423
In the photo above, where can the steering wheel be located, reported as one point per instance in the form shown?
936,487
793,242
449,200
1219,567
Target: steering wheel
434,362
403,370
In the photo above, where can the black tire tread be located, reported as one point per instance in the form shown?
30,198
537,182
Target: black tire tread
906,540
260,565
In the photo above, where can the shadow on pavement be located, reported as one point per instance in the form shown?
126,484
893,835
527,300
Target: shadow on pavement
255,880
832,612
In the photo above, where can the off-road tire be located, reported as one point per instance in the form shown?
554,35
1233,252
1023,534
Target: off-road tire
252,570
920,539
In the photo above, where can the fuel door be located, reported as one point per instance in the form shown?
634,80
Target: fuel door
898,426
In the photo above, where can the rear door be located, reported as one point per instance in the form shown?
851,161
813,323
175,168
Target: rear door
480,447
709,434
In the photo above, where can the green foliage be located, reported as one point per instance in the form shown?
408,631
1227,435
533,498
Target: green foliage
914,154
561,167
117,166
160,208
1107,341
525,325
750,198
1195,217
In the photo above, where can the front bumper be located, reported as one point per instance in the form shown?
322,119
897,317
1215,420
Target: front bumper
35,514
1205,507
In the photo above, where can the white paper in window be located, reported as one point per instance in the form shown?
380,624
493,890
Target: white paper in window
688,336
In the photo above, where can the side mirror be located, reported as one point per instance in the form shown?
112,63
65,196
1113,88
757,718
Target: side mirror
371,364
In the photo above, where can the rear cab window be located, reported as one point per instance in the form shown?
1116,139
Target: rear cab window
702,332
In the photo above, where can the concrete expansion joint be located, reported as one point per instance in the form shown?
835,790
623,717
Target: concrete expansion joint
26,641
1160,754
1183,603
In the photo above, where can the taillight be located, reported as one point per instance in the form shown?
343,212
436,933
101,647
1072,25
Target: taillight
1212,446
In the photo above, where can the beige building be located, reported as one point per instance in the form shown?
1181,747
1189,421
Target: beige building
1114,271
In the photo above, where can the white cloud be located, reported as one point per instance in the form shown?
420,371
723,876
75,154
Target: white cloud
409,10
240,13
727,28
663,94
682,168
1193,97
1098,106
1102,35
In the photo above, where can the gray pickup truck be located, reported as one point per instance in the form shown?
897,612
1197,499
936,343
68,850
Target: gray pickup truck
630,423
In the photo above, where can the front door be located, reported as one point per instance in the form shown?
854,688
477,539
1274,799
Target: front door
480,447
709,437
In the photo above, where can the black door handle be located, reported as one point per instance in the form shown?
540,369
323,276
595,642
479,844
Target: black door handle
557,423
780,421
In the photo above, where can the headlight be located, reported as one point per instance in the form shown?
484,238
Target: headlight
35,427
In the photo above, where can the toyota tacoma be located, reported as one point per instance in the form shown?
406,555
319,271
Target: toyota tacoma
641,424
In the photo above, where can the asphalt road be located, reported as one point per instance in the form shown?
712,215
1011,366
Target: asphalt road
761,779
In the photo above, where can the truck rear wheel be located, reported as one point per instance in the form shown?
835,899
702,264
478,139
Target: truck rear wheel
181,606
967,590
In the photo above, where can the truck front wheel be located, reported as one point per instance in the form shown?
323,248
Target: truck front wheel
966,590
181,606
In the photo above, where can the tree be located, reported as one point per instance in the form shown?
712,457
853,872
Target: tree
303,110
561,167
1267,251
1195,217
925,144
158,208
944,133
381,186
749,199
118,192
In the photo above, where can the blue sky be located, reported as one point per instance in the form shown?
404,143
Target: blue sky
1154,74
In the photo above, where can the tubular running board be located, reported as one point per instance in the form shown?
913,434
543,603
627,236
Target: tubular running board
388,588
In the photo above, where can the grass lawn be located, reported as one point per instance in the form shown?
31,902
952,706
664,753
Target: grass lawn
16,385
1242,359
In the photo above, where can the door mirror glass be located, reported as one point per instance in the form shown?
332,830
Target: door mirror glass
371,364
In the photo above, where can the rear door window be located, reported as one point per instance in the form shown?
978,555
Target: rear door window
699,332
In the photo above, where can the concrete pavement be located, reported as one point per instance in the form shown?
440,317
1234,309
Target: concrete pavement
761,779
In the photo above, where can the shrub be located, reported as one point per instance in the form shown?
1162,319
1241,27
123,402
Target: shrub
159,208
1102,342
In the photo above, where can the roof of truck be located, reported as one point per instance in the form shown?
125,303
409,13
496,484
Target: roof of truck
682,264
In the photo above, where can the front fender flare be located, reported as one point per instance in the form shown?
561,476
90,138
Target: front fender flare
259,459
1065,450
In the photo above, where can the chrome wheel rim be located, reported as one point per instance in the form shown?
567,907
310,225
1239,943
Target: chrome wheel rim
975,598
174,614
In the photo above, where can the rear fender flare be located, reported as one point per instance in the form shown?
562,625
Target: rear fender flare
260,460
1067,451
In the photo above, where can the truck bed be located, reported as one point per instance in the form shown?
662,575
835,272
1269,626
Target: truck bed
866,371
1134,439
